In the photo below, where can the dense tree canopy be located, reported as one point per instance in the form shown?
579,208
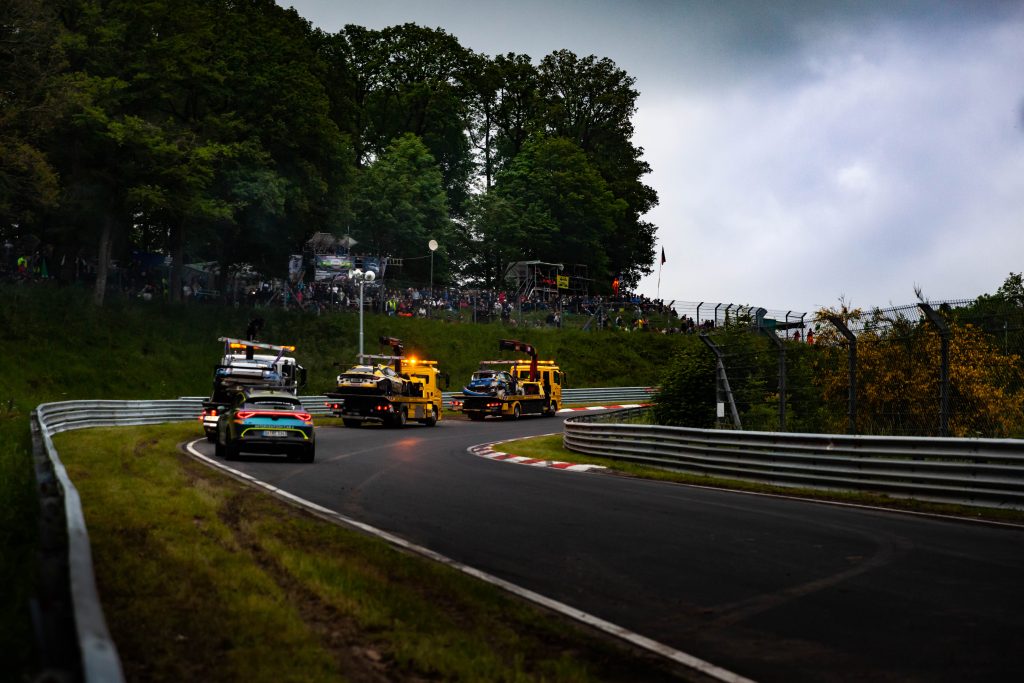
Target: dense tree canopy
212,130
399,203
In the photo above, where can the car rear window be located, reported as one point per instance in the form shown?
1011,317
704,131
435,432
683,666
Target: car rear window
270,405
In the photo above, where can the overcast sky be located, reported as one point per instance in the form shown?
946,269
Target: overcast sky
803,151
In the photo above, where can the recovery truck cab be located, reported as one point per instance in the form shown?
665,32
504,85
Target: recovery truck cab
408,390
535,389
241,367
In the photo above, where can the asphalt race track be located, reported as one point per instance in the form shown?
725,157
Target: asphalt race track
769,588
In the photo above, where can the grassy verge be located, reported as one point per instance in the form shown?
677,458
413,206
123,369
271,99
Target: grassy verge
551,448
204,578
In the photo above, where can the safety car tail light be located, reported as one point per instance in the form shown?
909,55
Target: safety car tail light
246,414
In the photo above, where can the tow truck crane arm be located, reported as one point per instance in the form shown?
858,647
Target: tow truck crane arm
396,348
513,345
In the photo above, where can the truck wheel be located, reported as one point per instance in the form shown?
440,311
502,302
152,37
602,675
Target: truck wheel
231,451
402,416
516,412
431,419
552,410
348,422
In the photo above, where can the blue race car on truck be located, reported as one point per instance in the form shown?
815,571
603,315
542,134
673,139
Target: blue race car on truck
264,421
491,383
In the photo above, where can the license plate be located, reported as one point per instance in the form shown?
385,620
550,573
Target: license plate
275,433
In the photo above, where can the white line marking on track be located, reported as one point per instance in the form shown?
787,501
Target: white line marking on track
678,656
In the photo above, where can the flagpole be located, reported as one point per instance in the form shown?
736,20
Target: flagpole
661,263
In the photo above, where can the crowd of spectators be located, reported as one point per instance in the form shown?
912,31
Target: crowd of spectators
629,312
626,312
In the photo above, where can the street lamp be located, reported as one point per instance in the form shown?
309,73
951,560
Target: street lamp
362,277
432,245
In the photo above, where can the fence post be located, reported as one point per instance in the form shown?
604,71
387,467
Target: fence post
944,335
722,387
781,348
852,357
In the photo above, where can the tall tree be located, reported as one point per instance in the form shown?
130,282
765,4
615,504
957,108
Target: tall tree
178,102
498,230
504,107
30,101
563,207
591,102
276,87
400,205
406,79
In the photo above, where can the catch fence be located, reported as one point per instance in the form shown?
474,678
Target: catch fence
944,369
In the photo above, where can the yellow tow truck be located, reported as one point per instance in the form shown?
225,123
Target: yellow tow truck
408,390
532,387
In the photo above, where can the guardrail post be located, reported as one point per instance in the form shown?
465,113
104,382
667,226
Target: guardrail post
944,335
781,348
722,388
850,337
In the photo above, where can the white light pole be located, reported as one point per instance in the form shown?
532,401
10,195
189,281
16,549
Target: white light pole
432,246
362,277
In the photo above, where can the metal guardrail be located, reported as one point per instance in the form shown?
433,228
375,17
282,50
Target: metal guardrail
67,415
983,472
606,395
314,405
